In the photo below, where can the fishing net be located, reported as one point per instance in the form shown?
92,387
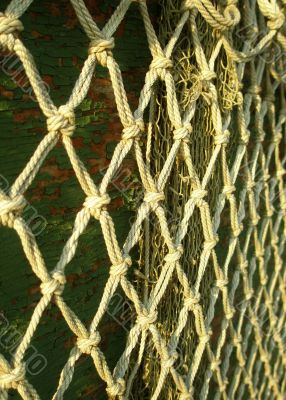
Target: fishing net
207,294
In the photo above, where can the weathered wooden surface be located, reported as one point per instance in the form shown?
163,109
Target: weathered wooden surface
54,37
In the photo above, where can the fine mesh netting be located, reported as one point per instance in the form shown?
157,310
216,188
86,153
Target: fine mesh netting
226,315
207,299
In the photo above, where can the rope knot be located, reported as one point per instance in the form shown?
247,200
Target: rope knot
254,221
230,313
133,131
210,244
9,25
101,48
277,137
198,197
146,318
237,230
186,396
269,98
62,121
228,190
175,255
221,283
207,75
183,133
96,203
242,363
169,361
266,177
254,90
249,294
215,363
87,344
14,205
10,208
161,64
205,337
247,379
243,264
192,301
223,386
244,138
222,138
250,184
116,388
121,268
55,285
280,172
153,197
9,377
237,339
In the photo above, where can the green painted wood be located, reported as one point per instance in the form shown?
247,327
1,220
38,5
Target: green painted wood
54,37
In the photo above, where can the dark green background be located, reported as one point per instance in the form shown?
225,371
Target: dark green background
54,37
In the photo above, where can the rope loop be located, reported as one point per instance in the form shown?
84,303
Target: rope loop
276,19
63,121
101,48
232,15
221,22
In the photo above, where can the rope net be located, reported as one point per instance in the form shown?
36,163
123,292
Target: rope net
208,140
